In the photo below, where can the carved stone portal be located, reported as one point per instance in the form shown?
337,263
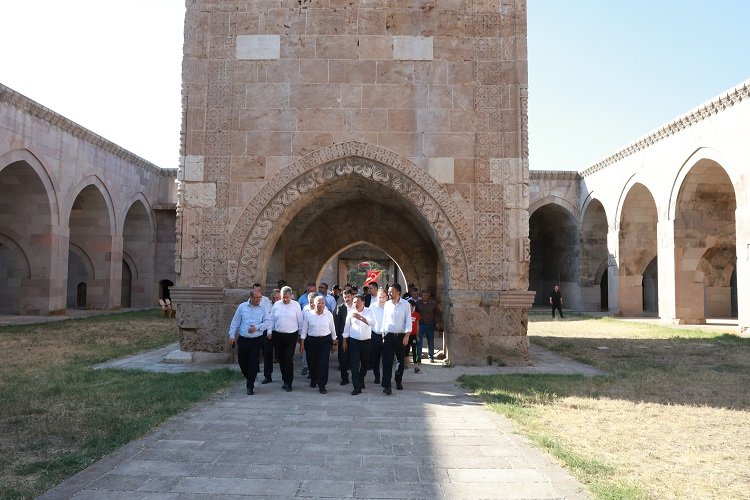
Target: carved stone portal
414,126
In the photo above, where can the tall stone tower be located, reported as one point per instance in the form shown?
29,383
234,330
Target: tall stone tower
314,125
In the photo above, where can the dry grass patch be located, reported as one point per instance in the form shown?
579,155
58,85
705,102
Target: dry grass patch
59,415
671,420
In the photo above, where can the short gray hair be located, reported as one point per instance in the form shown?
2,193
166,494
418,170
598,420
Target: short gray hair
286,290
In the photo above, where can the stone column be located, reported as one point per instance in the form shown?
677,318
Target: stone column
115,273
203,318
667,278
742,220
58,271
613,274
488,327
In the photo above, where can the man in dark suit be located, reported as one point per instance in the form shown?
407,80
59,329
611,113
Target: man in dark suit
339,320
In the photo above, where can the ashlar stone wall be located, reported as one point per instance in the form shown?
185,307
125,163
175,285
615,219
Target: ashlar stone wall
289,102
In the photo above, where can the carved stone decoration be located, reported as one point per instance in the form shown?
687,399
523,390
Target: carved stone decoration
296,183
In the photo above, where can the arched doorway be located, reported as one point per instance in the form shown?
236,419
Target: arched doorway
594,255
320,205
705,243
25,220
637,242
80,272
126,285
353,263
164,289
651,288
90,233
138,248
334,221
553,235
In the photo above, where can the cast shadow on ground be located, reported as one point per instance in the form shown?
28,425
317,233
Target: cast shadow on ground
676,371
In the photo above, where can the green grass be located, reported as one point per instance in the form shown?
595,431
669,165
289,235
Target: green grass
59,415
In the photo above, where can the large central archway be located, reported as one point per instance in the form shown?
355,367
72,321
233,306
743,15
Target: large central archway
414,191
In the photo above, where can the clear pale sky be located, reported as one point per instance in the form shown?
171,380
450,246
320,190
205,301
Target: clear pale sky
601,73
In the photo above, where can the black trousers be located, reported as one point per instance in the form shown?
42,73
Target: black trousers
393,345
359,358
559,308
412,346
318,351
248,350
376,352
343,360
267,357
285,343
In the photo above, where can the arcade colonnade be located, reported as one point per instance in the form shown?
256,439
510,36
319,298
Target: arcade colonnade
659,228
83,222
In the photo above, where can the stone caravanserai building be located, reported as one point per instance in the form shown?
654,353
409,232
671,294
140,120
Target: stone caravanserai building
322,131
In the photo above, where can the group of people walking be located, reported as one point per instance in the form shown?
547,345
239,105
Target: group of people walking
368,332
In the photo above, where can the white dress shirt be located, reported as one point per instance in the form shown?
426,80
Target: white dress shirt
318,325
377,312
397,317
286,318
356,328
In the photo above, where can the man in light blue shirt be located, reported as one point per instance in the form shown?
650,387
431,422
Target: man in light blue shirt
303,300
330,299
250,322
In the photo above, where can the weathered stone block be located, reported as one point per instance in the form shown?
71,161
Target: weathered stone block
258,47
412,48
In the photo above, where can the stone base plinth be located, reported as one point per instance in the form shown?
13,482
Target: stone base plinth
179,357
203,318
488,326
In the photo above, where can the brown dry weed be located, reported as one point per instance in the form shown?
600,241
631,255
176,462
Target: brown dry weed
673,417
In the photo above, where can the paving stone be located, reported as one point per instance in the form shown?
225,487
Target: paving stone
495,476
155,468
502,491
121,495
236,486
398,490
327,489
248,471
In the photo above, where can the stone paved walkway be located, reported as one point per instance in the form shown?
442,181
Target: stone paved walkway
432,440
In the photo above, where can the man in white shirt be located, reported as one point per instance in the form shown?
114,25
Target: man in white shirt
286,323
318,341
397,324
357,329
376,343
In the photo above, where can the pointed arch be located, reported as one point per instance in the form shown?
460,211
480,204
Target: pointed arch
287,192
51,186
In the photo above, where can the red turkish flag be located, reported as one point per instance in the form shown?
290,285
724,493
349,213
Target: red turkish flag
372,275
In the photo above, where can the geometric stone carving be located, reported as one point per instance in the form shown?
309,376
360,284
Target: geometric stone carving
257,234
